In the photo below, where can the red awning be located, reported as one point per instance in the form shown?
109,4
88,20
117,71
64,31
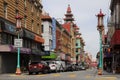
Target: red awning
39,39
115,38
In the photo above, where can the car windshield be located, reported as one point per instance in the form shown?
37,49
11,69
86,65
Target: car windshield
51,62
34,62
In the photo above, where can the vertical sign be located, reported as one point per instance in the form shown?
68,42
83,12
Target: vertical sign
53,33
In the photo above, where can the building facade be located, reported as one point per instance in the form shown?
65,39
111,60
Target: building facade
32,49
113,37
47,32
69,26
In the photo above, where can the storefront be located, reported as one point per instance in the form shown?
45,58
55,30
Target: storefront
115,49
32,47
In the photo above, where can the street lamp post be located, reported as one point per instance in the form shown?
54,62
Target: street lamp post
100,28
18,29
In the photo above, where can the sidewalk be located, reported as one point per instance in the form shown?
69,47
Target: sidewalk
107,76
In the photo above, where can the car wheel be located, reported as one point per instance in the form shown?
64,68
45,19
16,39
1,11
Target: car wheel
37,72
30,73
45,71
56,71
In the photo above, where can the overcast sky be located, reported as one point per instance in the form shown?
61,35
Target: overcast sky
84,12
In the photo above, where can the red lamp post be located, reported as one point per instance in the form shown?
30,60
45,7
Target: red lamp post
18,29
100,28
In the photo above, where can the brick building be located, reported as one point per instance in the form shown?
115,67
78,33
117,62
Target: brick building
30,11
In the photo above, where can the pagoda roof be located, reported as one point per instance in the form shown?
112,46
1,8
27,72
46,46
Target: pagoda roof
67,26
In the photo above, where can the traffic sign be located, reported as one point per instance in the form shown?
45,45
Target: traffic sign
18,42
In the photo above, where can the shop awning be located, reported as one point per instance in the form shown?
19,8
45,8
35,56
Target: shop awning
5,48
39,39
52,56
115,38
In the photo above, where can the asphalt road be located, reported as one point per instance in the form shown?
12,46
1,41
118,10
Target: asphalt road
75,75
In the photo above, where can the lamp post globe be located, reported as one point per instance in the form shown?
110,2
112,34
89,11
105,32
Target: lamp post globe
100,28
18,29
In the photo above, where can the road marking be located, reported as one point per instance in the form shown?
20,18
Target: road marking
13,75
72,75
41,75
87,76
106,78
56,75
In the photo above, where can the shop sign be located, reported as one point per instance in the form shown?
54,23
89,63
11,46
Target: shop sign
22,50
10,28
52,56
53,33
29,34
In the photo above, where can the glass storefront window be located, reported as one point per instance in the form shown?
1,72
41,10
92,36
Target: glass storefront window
0,38
4,39
0,25
9,39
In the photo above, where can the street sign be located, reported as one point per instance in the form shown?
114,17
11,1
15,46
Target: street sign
18,42
105,45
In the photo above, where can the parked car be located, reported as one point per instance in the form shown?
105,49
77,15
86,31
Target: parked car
36,67
52,65
56,66
69,67
81,66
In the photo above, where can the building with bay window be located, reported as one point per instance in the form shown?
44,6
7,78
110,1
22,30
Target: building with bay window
30,11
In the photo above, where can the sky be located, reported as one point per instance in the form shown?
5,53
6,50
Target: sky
84,12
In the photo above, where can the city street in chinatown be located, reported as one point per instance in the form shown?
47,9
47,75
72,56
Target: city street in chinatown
90,74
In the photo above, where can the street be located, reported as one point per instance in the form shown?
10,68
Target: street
90,74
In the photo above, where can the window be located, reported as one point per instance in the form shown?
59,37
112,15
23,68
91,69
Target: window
17,12
34,45
25,43
38,46
13,40
50,44
38,28
0,38
25,3
17,1
38,13
42,28
25,25
5,9
50,29
0,24
32,10
32,22
76,44
9,39
29,44
4,39
76,50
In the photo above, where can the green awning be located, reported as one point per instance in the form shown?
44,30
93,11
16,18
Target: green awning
52,56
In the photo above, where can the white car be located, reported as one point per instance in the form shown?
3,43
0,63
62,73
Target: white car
56,65
53,66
